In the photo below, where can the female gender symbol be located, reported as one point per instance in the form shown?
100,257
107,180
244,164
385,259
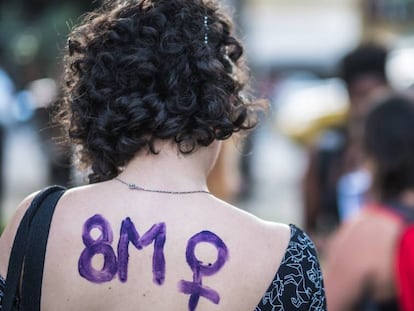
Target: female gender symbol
195,289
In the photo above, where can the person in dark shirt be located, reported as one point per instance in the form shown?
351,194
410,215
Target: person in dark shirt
338,151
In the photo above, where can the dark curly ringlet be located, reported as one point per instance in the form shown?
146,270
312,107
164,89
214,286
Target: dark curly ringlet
139,71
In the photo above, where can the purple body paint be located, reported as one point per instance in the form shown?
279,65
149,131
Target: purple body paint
102,245
196,289
156,233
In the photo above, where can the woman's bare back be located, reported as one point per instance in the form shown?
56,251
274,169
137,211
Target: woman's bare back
78,276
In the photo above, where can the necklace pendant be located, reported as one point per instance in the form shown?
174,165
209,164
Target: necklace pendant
132,186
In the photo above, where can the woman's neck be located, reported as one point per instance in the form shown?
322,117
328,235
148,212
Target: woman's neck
169,170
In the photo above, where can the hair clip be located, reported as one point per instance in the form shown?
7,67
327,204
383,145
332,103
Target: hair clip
206,28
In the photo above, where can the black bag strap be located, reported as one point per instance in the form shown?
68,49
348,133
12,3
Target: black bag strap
29,247
35,252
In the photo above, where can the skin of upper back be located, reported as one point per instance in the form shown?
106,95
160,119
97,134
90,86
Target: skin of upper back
360,259
255,251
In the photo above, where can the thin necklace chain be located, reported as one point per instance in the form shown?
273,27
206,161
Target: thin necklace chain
132,186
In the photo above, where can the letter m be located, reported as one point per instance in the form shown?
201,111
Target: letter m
156,234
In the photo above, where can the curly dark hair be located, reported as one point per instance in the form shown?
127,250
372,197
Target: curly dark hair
369,58
389,141
138,71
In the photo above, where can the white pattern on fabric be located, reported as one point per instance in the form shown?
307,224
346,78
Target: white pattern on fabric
298,284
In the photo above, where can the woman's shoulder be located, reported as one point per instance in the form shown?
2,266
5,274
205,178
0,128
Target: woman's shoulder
7,236
360,254
364,227
274,235
284,265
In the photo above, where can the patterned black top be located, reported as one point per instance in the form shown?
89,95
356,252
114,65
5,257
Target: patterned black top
298,284
2,285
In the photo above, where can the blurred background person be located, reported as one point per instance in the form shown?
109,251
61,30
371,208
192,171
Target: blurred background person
335,184
6,100
58,154
364,73
361,261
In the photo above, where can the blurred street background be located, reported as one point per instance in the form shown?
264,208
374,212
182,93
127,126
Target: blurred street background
294,49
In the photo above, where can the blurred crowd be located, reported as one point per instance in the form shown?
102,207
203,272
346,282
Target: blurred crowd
353,124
